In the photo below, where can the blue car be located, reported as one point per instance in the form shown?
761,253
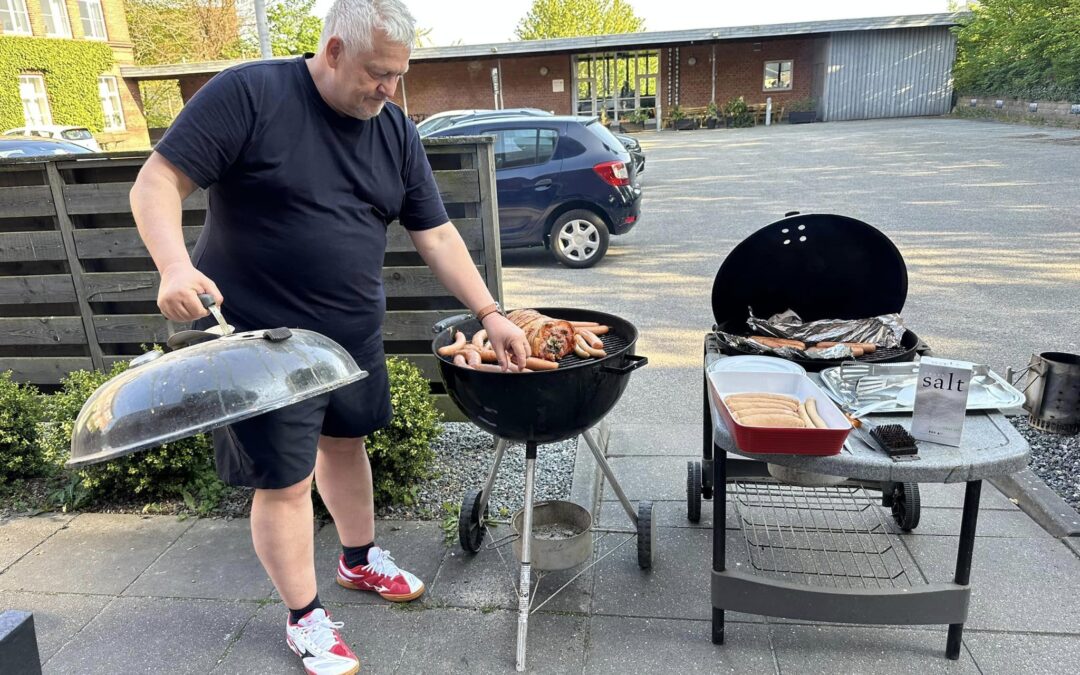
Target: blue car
563,182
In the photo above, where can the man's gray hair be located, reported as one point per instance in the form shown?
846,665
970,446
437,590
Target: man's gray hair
355,21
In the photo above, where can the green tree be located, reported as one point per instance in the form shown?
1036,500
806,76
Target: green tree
1020,48
573,18
293,28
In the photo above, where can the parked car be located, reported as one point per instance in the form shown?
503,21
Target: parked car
77,135
563,182
445,119
11,147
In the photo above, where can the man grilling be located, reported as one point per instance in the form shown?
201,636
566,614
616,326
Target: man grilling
306,163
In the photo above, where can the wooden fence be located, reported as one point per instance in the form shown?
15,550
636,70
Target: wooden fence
78,289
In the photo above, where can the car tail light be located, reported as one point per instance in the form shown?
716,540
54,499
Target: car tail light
613,173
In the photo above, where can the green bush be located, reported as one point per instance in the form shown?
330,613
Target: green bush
401,454
738,112
801,105
20,413
168,471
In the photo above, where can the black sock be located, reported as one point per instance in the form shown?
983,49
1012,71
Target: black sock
297,614
356,555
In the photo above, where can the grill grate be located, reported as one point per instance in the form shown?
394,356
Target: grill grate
821,536
613,344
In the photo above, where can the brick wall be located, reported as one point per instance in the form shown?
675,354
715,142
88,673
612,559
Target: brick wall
434,87
119,39
740,71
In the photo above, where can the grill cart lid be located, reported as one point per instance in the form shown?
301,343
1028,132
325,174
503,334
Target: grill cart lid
823,266
166,397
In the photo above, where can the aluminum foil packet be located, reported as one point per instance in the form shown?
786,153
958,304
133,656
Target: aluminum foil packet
885,331
750,345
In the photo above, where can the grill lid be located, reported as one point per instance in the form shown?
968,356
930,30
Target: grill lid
823,266
166,397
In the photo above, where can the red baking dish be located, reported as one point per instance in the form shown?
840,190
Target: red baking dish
770,440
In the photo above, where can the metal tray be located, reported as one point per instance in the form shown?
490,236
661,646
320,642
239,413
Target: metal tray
848,385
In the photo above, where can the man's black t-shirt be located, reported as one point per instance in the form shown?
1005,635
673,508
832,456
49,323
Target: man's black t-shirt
300,198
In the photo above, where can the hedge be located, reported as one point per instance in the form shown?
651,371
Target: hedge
71,69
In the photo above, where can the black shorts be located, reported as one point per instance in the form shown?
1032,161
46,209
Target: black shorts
277,449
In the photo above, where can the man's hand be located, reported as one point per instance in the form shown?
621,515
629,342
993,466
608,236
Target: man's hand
507,339
178,295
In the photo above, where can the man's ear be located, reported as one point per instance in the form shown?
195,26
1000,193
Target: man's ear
335,51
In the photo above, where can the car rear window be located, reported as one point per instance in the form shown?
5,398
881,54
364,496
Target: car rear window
524,147
607,138
76,135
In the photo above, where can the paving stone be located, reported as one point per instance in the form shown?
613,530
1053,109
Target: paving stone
485,581
1043,654
455,641
678,585
656,478
1030,584
153,635
951,495
377,634
1073,543
416,546
655,440
991,523
57,617
111,550
213,559
667,514
851,649
19,535
629,645
649,394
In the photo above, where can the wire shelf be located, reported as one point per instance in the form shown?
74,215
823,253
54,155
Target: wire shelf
835,536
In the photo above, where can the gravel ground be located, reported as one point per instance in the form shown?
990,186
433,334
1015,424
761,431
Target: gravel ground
463,456
1055,459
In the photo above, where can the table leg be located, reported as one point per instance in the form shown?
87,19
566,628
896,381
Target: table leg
963,559
719,533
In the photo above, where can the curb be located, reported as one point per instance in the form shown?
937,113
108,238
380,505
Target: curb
1043,505
585,485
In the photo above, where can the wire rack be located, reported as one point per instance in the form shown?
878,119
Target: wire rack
834,537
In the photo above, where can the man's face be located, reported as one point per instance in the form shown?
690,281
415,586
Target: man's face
363,81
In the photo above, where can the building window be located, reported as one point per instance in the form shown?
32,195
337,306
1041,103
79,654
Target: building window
56,18
110,103
93,20
777,76
15,17
35,101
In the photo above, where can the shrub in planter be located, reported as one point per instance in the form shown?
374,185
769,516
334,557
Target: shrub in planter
737,113
20,413
712,115
401,454
167,471
802,110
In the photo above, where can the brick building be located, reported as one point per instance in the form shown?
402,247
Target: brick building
851,69
77,20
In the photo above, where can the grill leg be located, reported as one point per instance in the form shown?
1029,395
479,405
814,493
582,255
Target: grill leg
500,447
526,555
598,454
719,546
963,559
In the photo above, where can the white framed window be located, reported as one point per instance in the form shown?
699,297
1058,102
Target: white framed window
93,20
35,101
14,17
110,103
777,76
54,12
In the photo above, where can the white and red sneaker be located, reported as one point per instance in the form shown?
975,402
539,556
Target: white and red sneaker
315,639
382,576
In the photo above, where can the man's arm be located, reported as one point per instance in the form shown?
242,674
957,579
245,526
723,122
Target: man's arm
156,201
446,254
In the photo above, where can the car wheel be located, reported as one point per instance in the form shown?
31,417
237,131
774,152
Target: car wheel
579,239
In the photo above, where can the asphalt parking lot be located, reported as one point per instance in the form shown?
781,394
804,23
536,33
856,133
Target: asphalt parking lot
985,215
